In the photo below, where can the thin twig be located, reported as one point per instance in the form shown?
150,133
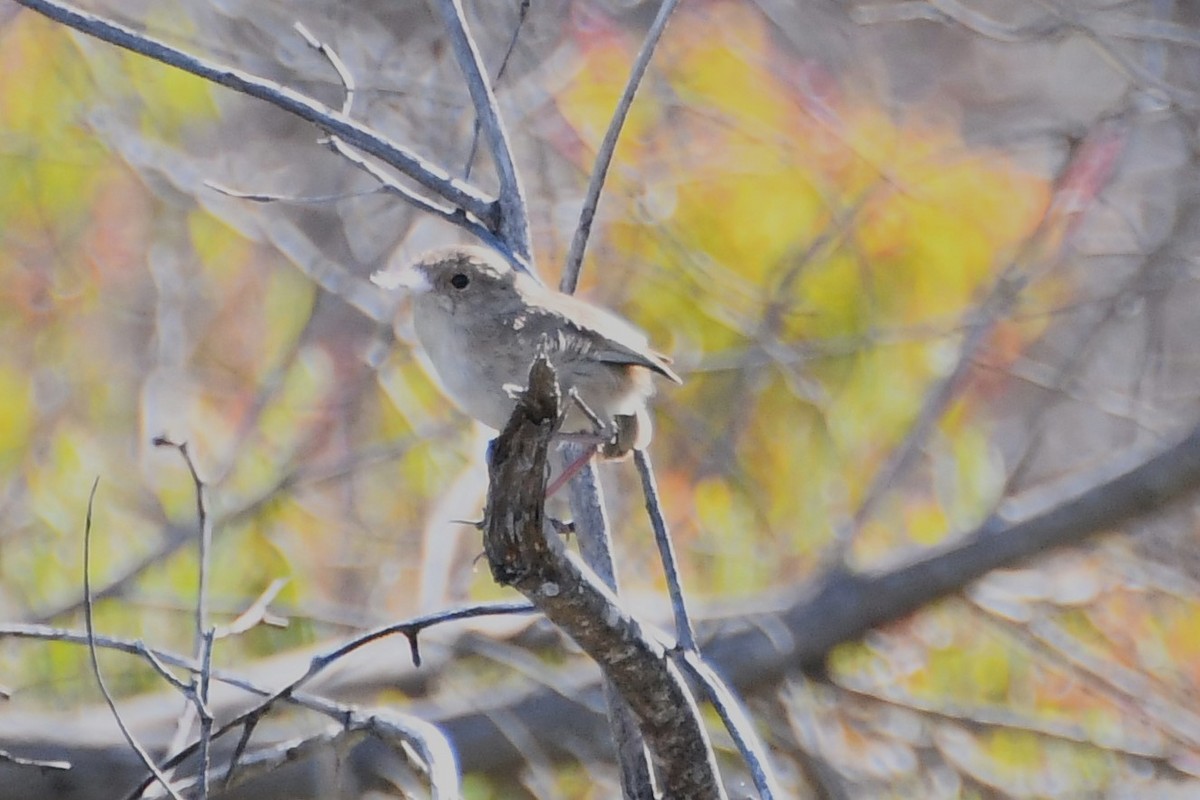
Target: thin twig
387,183
157,659
256,612
684,632
429,742
513,225
591,523
206,718
570,276
36,763
410,629
247,721
204,554
737,721
429,175
154,657
198,693
308,199
390,185
335,61
89,622
522,14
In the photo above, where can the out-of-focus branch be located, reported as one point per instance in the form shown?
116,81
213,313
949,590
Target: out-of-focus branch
755,649
1085,174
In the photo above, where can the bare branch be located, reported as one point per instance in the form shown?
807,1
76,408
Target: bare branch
594,534
593,527
432,177
89,621
522,14
570,276
410,629
205,538
759,649
202,682
390,185
513,225
256,612
387,183
737,722
335,61
666,551
429,742
836,609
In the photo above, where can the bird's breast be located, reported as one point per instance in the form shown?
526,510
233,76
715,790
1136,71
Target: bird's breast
472,366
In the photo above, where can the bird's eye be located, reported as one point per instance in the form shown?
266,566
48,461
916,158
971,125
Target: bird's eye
460,280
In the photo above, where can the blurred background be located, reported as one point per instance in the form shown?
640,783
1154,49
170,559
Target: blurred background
811,208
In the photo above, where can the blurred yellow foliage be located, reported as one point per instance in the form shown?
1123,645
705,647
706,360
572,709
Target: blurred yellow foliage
16,414
48,155
813,262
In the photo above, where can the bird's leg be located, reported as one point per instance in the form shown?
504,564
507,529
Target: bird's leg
571,470
603,436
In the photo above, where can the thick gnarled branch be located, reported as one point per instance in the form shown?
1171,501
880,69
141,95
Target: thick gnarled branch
522,553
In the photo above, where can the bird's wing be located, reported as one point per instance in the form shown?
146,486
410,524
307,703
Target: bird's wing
619,343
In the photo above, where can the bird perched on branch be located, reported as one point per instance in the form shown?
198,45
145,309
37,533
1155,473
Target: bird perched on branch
482,323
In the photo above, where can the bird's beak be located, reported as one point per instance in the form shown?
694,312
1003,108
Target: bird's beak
408,277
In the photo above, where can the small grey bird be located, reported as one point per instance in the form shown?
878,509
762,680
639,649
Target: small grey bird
482,323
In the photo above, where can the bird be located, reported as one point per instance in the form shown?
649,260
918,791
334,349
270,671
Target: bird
481,324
